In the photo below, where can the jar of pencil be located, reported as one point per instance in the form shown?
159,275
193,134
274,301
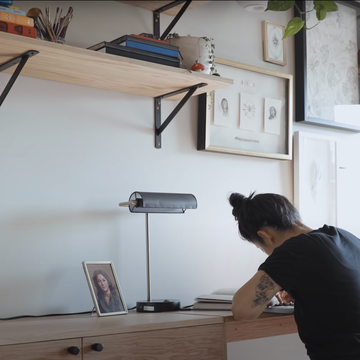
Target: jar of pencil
48,28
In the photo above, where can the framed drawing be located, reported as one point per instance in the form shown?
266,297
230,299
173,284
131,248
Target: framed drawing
274,45
315,179
327,68
251,117
104,288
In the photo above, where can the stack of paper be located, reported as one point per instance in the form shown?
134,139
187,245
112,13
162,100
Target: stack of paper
222,300
218,300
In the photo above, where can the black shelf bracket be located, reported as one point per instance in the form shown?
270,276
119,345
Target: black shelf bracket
156,17
21,61
159,128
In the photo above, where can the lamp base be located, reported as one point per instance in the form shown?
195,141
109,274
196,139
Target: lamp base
157,305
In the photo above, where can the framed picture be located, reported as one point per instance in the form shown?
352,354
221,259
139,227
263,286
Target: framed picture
315,179
274,45
327,68
252,117
104,288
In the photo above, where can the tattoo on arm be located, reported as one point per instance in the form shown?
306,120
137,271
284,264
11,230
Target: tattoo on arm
264,285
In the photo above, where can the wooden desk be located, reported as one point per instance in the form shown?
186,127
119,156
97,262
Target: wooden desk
266,325
136,336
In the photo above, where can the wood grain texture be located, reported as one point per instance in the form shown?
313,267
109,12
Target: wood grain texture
190,343
72,65
64,327
50,350
154,5
135,336
262,327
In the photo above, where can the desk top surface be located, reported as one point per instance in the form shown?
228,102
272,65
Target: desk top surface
27,330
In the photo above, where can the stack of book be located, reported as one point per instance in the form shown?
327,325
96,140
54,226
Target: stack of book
142,47
218,300
222,300
15,21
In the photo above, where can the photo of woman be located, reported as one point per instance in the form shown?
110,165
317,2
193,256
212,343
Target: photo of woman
104,288
107,296
226,105
273,116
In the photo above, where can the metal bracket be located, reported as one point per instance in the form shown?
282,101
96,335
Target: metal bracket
21,61
156,17
159,128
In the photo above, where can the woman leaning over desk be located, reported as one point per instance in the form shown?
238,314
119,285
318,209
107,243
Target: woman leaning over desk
320,269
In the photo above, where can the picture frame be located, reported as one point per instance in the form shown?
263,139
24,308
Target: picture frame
315,178
274,50
327,86
106,292
245,126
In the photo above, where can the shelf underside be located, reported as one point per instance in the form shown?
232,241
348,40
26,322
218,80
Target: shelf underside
154,5
68,64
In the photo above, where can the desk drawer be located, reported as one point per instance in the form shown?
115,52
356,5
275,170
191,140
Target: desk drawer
190,343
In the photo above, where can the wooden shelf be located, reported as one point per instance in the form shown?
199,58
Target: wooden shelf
154,5
72,65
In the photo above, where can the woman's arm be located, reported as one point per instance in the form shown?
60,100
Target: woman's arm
252,298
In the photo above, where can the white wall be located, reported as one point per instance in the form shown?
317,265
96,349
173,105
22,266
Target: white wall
70,154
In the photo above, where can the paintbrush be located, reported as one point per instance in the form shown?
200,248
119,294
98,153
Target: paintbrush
55,19
65,21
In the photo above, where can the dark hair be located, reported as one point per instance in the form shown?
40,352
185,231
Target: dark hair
106,276
222,101
273,107
255,212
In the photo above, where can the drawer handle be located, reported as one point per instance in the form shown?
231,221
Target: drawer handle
73,350
97,347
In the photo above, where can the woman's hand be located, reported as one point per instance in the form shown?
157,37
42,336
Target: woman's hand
284,298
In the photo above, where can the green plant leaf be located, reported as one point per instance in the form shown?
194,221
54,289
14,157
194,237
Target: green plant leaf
275,5
321,12
328,5
293,27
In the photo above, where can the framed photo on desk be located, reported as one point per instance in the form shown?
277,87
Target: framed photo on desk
104,288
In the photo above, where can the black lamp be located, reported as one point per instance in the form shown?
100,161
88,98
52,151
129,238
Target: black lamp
163,203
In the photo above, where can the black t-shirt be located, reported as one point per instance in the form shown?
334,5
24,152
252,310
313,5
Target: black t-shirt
321,271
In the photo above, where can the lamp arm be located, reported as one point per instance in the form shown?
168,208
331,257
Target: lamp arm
147,256
128,203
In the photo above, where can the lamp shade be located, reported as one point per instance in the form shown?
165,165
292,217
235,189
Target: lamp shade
149,202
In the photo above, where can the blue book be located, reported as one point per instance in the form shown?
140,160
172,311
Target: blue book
12,11
152,48
6,2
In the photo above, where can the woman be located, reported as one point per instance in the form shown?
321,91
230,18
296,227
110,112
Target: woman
272,111
225,106
319,268
107,297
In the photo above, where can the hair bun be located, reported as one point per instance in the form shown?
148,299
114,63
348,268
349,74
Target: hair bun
237,201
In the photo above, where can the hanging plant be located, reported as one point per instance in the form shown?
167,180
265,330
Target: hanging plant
297,23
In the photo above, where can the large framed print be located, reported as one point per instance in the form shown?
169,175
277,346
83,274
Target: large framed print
104,288
327,68
252,117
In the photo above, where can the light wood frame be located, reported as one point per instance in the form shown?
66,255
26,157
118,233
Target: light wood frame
327,69
107,271
235,135
273,45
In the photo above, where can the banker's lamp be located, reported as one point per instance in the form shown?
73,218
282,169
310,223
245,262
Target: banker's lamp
163,203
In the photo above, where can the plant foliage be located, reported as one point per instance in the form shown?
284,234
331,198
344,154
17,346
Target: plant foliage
297,23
